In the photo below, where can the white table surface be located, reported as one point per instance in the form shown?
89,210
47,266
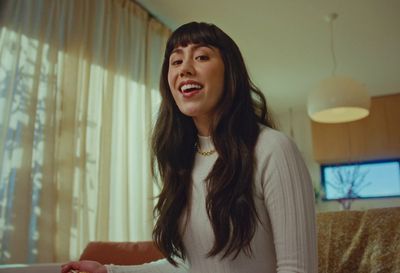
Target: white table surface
31,268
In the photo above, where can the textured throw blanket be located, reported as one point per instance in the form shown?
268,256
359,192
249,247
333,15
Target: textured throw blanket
359,241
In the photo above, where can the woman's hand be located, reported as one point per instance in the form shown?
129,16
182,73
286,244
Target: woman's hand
83,266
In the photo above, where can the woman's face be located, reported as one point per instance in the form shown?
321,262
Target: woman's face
196,79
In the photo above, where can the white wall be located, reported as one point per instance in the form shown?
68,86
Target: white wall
298,126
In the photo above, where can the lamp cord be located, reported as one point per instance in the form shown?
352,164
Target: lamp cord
333,50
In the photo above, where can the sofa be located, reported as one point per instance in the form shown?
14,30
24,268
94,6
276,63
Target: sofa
348,242
359,241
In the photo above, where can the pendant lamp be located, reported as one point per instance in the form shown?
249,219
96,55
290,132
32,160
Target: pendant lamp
338,98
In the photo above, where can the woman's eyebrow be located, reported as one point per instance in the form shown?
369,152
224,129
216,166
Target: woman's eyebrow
178,50
197,46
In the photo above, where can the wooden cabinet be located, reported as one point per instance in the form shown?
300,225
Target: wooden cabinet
372,138
330,143
393,124
369,136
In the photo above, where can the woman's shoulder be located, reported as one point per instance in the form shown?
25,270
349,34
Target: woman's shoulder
268,135
273,141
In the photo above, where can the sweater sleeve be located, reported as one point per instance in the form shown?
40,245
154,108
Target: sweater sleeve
159,266
289,199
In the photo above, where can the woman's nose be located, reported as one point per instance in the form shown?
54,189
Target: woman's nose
186,69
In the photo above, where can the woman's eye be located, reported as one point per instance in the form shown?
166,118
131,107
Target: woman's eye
176,62
202,58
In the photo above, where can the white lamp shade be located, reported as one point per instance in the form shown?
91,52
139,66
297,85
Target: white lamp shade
338,99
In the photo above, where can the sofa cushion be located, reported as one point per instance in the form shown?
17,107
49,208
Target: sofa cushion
359,241
121,253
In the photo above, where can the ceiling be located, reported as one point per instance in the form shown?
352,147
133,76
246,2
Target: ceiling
286,44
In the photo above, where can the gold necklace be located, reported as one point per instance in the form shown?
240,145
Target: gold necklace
203,153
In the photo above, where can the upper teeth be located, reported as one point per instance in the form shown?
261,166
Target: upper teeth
190,86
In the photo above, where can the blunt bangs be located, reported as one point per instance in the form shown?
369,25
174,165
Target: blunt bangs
194,33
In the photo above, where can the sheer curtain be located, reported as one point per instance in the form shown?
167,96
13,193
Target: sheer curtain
78,89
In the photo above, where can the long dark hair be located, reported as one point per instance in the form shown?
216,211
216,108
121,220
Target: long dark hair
234,132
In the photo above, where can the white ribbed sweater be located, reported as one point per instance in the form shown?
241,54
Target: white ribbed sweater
285,238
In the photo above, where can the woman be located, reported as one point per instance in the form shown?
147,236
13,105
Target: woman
236,195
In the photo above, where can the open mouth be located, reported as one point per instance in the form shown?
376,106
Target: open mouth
189,88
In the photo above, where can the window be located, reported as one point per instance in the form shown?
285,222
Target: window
374,179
